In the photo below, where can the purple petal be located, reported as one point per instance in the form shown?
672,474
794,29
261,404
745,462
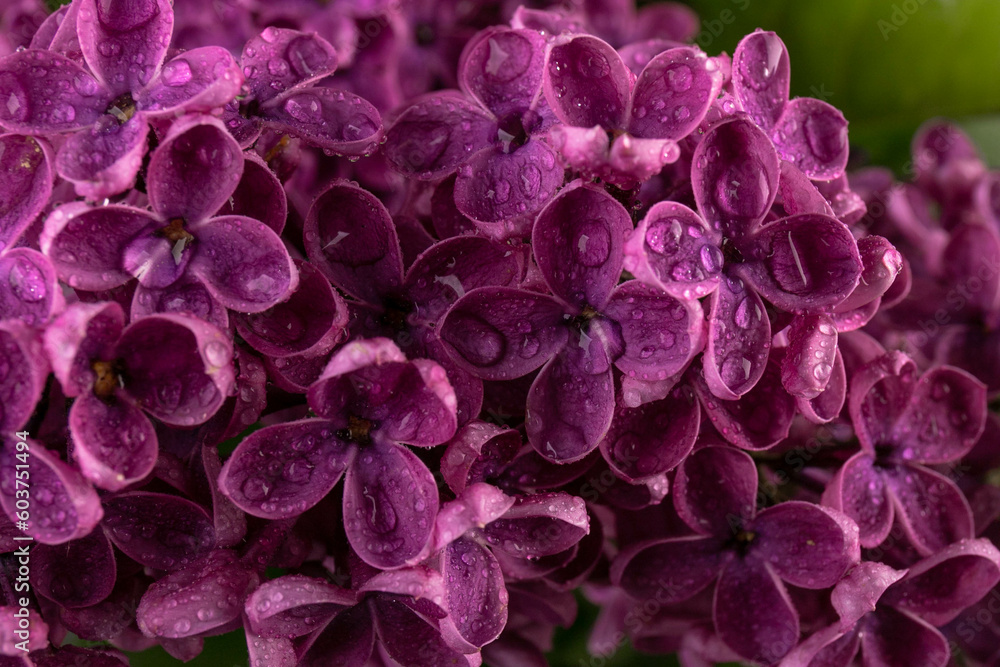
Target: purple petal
828,405
187,295
812,135
477,604
753,613
797,194
294,605
945,159
637,55
882,264
805,262
160,531
178,369
350,237
673,249
243,263
807,366
673,93
944,418
494,187
879,393
501,68
761,76
924,645
569,408
860,590
311,320
390,500
103,160
447,270
410,639
245,130
24,373
670,570
114,442
859,491
577,240
632,161
47,92
539,525
715,491
735,176
198,80
807,545
34,293
65,506
447,220
26,164
661,333
197,599
499,333
194,170
229,521
282,470
267,651
258,195
124,44
84,333
56,572
929,506
348,639
334,120
279,59
477,453
654,438
437,133
587,84
739,337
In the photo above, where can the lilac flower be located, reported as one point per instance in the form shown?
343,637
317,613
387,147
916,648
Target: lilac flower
749,553
588,325
239,261
108,108
369,400
905,423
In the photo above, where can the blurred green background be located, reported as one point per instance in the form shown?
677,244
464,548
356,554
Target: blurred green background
888,65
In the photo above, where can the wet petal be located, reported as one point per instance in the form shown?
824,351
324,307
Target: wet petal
64,505
715,491
881,264
670,570
47,92
78,574
807,545
243,263
502,69
348,639
23,372
924,645
499,333
805,262
495,187
944,418
880,392
828,405
114,442
661,333
194,170
739,337
390,500
797,194
279,59
229,521
197,599
351,238
160,531
477,597
476,506
569,410
587,84
103,160
761,76
187,295
673,249
861,589
437,133
807,366
294,605
198,80
446,219
258,195
539,525
577,240
859,491
311,320
410,639
735,176
124,44
84,333
179,369
812,135
26,163
477,453
334,120
653,438
31,293
929,506
673,93
753,613
282,470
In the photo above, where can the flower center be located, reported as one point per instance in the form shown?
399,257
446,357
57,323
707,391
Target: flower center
511,133
394,313
109,378
122,108
358,430
424,34
731,253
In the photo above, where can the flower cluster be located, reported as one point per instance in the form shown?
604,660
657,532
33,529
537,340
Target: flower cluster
378,330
